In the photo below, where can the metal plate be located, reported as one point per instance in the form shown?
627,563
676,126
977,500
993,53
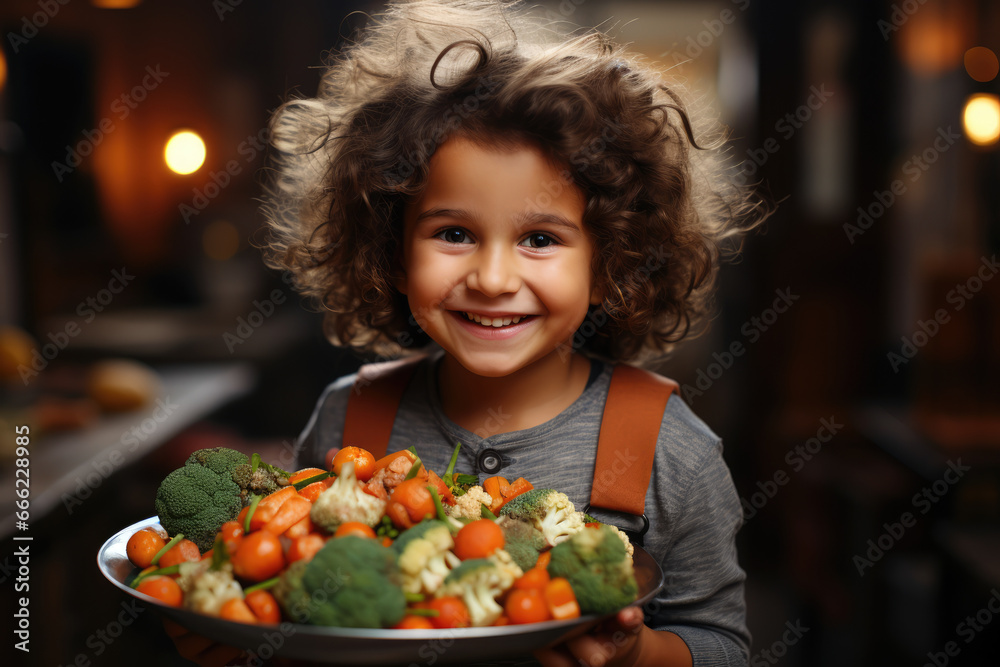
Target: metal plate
350,646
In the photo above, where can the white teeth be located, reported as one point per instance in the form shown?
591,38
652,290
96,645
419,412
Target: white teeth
494,321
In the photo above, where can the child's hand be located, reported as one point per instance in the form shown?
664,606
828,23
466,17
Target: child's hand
200,650
614,642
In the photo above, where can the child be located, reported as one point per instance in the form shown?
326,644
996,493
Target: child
537,213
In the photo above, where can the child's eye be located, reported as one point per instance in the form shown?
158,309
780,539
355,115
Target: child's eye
539,241
454,235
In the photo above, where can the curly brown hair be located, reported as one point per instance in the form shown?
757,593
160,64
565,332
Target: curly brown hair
659,207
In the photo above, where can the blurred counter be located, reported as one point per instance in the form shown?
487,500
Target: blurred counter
66,468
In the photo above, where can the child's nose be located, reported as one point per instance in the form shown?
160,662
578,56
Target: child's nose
494,273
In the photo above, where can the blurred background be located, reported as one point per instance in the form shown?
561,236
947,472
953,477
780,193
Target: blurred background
851,368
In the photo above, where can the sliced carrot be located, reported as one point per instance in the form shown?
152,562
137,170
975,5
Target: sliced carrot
496,486
311,492
305,547
543,560
389,458
269,505
305,473
561,599
303,527
446,495
516,488
237,610
290,513
536,577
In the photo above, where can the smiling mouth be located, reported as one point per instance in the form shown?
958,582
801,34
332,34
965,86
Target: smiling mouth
495,322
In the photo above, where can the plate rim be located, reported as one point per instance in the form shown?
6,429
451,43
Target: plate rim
332,632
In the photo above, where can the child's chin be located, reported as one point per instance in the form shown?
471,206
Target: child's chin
490,368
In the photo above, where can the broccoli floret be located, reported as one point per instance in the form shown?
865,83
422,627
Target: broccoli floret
425,556
522,541
263,481
352,582
479,582
598,569
217,459
549,510
200,496
587,519
469,505
345,501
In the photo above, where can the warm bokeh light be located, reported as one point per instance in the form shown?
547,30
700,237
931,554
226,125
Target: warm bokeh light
3,69
116,4
981,64
220,240
931,40
981,119
185,152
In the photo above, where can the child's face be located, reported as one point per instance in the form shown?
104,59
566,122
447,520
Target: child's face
497,236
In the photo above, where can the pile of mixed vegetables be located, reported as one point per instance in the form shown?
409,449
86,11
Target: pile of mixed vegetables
374,544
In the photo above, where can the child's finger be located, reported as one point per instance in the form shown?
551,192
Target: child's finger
630,619
588,651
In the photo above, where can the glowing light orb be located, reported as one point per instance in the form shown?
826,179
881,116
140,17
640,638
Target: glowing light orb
185,152
981,119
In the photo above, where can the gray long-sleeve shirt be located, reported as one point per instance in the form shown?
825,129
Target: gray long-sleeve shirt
692,505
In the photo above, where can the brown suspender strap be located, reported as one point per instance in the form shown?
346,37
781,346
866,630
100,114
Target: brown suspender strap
630,426
375,398
630,429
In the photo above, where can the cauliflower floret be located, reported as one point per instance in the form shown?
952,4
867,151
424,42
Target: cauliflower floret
470,504
550,511
629,549
479,582
345,501
205,589
425,556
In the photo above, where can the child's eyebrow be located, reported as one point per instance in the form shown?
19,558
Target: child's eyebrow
524,218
